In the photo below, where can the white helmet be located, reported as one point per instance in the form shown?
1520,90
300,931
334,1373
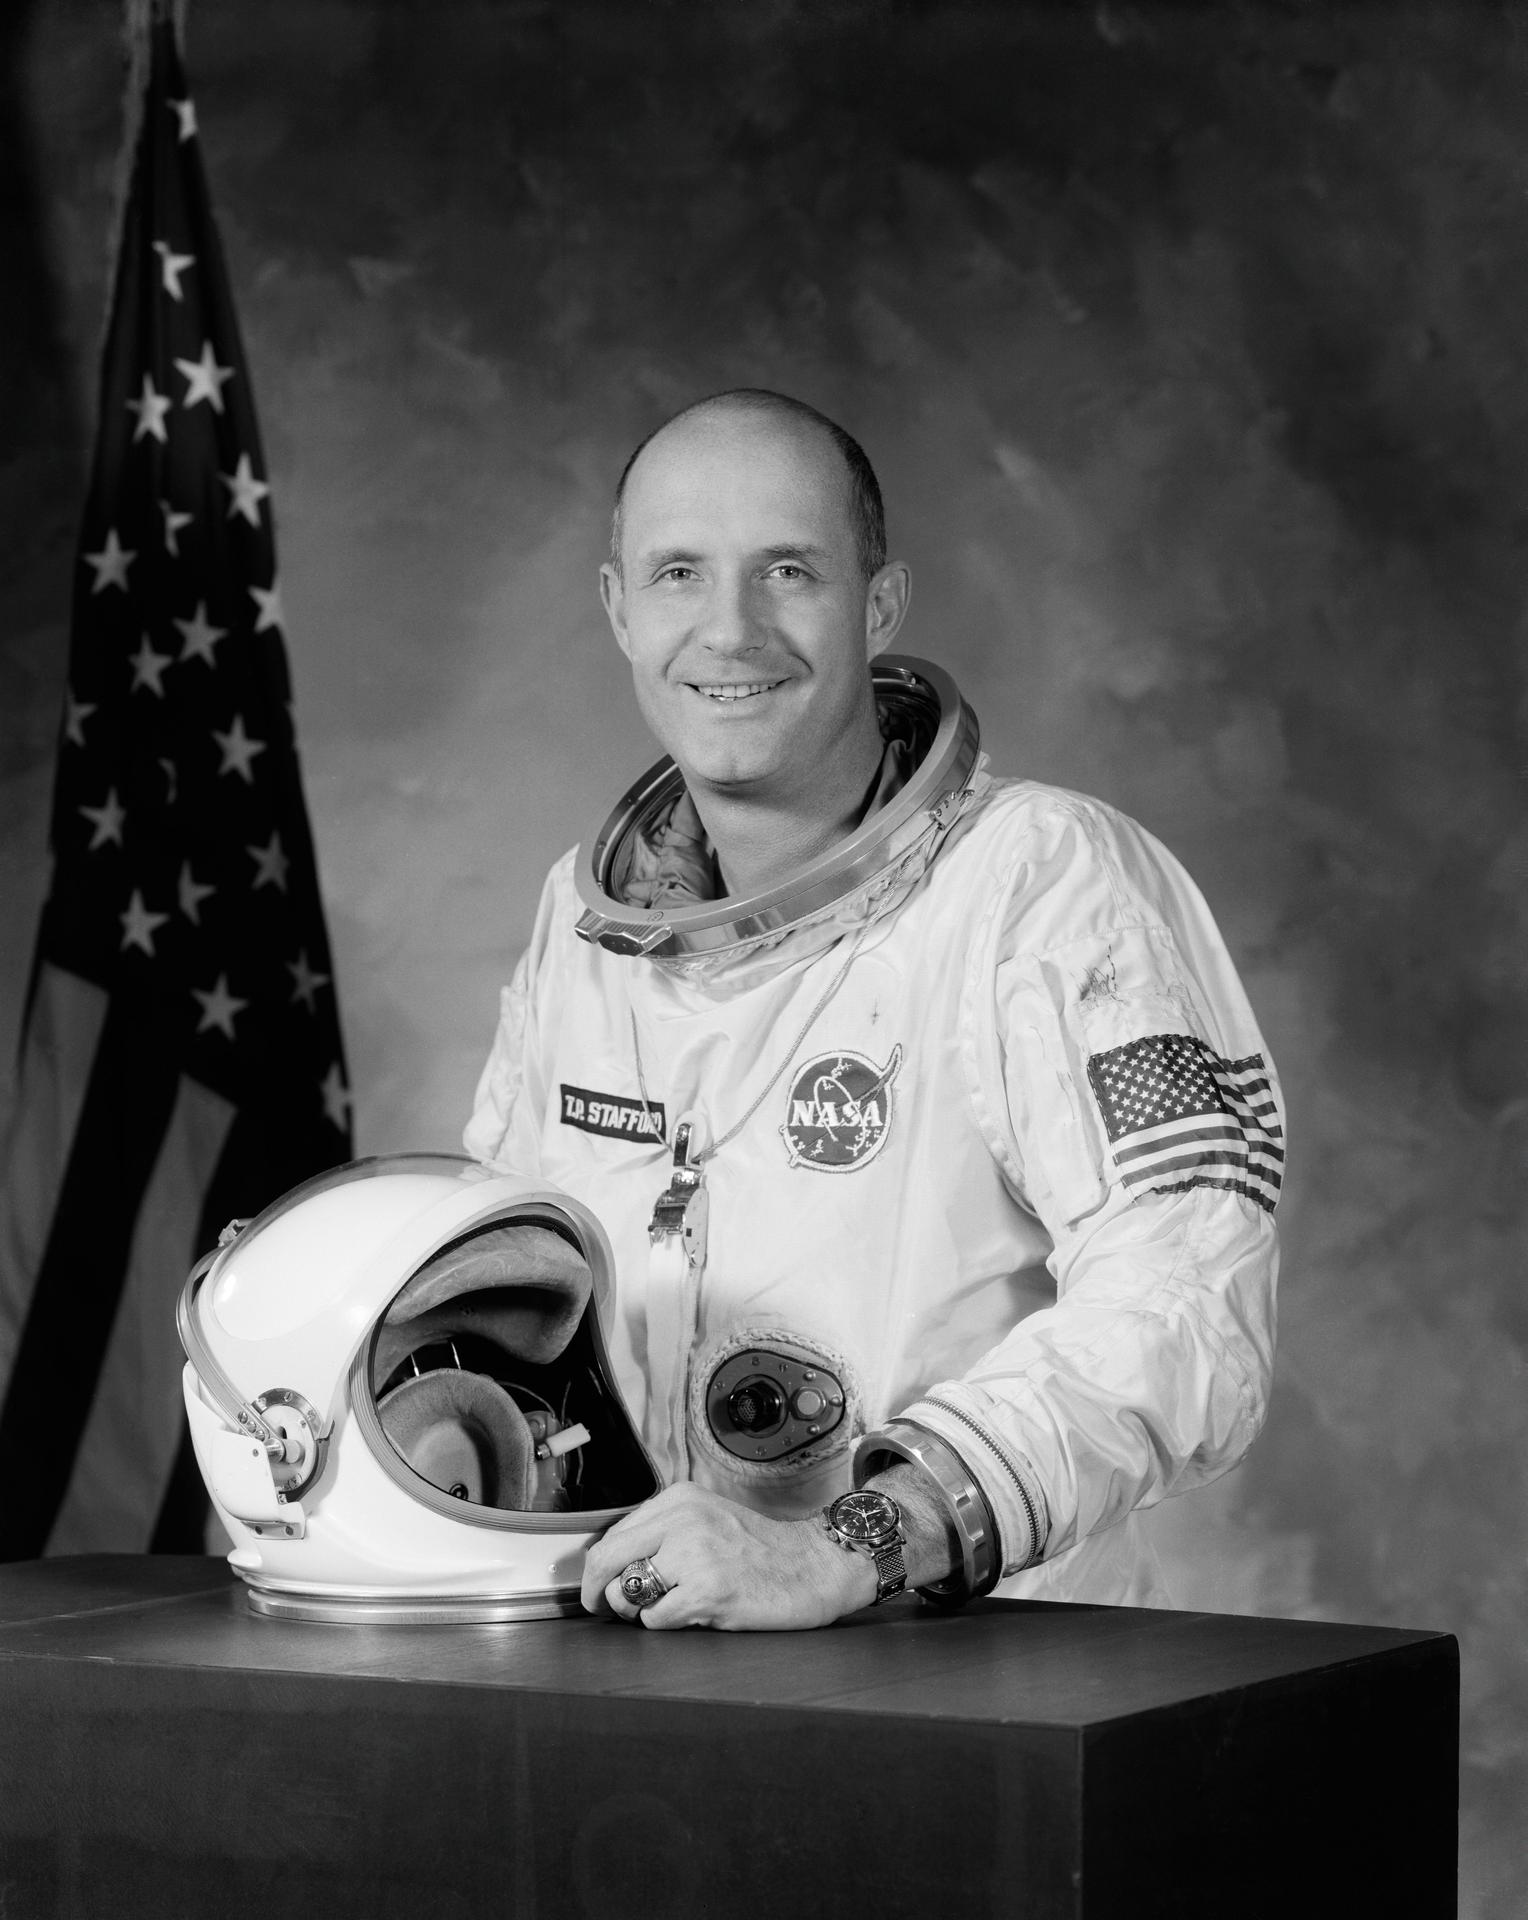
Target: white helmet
401,1399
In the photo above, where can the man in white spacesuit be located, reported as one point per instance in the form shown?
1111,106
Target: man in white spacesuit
934,1136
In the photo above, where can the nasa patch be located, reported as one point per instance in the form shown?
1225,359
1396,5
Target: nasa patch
838,1112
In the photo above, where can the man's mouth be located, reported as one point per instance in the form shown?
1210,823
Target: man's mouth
728,691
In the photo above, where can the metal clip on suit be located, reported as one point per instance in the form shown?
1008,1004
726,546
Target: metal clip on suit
675,1263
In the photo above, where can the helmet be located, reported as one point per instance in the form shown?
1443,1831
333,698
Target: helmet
400,1395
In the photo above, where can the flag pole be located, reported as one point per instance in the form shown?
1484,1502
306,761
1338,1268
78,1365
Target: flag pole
139,18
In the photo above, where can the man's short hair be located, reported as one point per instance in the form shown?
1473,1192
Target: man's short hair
867,514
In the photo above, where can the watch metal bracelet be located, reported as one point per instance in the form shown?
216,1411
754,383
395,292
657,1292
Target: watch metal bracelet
980,1562
890,1572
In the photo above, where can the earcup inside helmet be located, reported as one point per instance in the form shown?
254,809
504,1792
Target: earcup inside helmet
464,1434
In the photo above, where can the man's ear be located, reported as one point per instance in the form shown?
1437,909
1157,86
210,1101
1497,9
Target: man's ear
613,596
886,601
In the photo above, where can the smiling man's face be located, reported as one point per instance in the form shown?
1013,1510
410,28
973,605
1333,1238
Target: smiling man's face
741,605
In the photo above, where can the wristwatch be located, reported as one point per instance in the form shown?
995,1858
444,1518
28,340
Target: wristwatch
870,1523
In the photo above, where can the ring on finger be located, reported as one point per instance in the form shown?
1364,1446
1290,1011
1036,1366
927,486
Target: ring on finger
642,1584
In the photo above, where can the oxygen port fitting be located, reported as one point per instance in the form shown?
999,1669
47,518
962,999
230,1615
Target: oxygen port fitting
763,1402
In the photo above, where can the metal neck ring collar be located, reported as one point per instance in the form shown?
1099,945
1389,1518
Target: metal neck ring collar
920,696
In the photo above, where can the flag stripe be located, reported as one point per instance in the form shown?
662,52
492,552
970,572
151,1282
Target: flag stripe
1240,1097
1182,1160
79,1282
1168,1140
136,1413
1195,1133
63,1029
1218,1115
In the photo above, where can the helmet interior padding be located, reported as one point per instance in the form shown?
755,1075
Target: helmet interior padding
522,1286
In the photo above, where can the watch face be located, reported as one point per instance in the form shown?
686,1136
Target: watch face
865,1516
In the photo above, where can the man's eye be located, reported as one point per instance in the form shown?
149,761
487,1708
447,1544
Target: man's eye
788,570
677,573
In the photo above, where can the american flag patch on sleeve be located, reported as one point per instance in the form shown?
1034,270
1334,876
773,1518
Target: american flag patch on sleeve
1179,1116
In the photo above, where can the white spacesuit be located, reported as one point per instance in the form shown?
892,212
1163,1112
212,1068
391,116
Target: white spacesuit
997,1147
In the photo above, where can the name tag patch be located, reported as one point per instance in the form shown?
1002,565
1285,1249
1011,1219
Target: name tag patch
612,1115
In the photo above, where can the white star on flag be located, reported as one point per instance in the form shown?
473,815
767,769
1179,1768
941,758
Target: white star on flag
272,864
199,635
76,713
306,981
138,925
268,600
185,113
151,409
171,781
192,894
336,1096
107,820
171,266
204,379
247,491
173,522
219,1007
148,667
239,750
111,563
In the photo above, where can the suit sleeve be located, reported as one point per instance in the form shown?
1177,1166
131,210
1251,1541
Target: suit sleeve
1129,1098
505,1128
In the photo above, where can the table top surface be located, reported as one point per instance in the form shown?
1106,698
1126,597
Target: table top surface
999,1662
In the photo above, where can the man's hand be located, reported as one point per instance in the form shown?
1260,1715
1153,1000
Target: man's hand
727,1566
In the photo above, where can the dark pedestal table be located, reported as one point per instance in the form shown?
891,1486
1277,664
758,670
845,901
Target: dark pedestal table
163,1752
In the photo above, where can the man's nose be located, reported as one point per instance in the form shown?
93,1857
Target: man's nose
732,625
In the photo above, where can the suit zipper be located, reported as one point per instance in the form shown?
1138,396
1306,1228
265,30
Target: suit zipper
1030,1512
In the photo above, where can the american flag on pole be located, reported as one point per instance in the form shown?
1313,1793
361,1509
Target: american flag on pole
1178,1116
181,1056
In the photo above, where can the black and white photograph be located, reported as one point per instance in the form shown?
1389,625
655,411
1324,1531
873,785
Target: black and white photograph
764,959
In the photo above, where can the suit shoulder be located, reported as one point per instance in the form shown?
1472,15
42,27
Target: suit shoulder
1031,815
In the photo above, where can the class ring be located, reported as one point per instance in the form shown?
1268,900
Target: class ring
642,1584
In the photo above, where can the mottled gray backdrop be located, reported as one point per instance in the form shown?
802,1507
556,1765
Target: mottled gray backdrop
1190,345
